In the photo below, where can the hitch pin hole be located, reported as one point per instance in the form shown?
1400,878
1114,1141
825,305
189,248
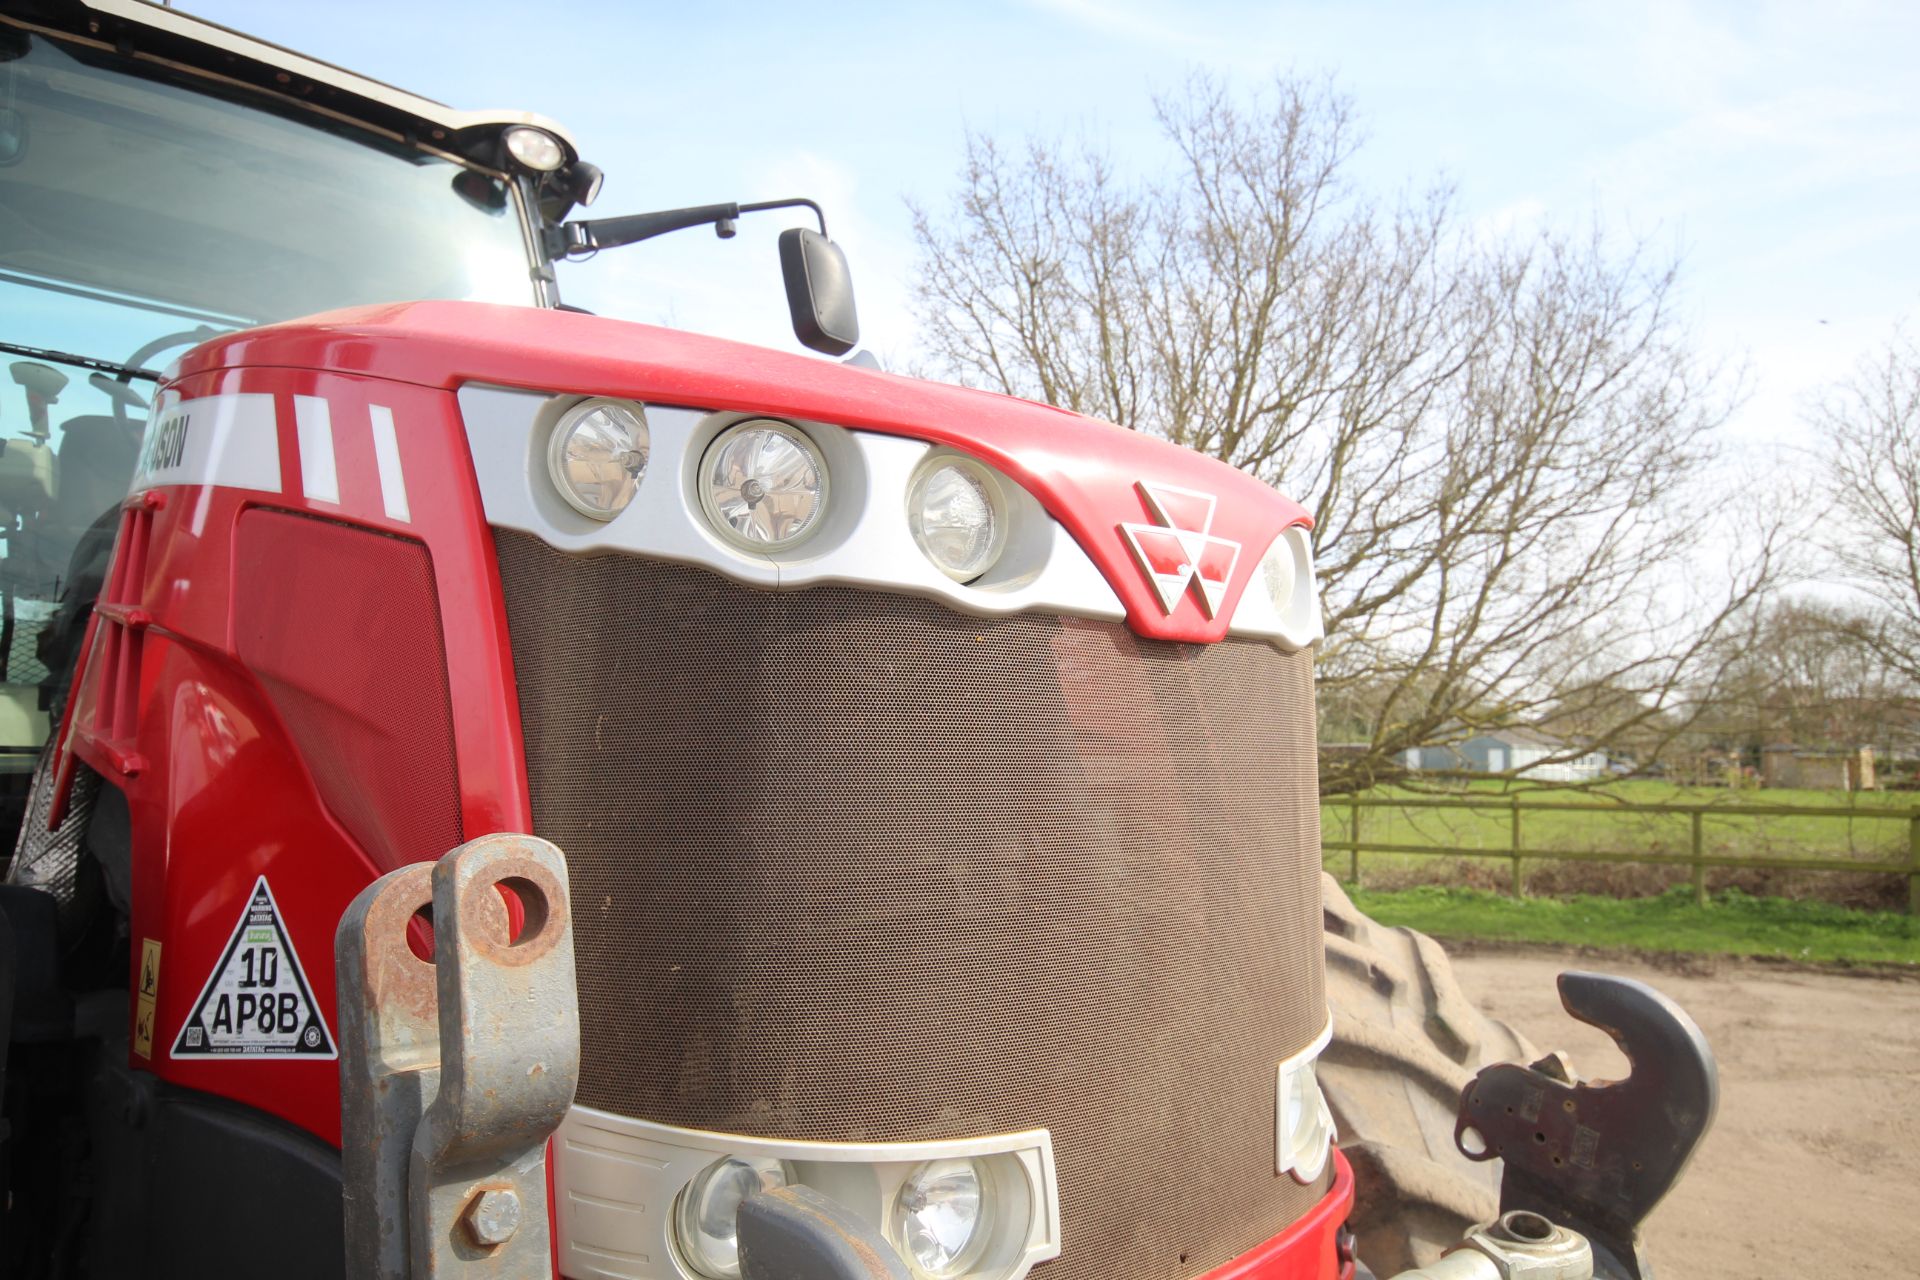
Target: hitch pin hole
532,913
1522,1225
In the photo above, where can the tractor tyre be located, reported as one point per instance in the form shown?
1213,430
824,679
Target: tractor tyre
1406,1040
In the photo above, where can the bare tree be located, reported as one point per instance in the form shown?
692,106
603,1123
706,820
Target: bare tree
1810,681
1869,429
1501,438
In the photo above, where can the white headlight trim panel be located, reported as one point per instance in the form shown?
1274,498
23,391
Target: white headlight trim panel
616,1180
863,539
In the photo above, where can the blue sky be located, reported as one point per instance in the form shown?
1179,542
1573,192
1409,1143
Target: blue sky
1774,146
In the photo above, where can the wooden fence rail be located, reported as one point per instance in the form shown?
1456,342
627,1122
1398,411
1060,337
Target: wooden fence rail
1696,856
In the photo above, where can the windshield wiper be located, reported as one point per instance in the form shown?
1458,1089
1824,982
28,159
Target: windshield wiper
84,362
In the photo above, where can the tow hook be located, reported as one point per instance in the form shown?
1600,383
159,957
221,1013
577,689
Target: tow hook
1594,1158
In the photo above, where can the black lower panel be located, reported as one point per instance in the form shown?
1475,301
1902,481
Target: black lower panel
249,1194
197,1187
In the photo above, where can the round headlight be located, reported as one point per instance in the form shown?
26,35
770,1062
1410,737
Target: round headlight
763,484
535,148
597,456
940,1218
704,1224
1277,570
953,508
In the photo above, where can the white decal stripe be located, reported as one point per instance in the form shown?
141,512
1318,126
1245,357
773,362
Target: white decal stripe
386,452
319,475
228,439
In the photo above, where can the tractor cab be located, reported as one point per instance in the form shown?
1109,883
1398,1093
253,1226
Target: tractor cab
164,180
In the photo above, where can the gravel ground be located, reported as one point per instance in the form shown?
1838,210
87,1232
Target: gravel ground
1813,1166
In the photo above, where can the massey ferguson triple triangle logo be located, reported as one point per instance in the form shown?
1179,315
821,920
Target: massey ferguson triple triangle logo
1178,549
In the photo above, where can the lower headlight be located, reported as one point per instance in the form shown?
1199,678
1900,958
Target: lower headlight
763,484
941,1217
704,1224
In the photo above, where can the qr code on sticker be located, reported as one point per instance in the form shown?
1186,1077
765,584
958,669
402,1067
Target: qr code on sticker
193,1037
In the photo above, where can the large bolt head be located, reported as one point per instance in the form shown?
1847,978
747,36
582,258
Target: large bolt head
1526,1246
492,1217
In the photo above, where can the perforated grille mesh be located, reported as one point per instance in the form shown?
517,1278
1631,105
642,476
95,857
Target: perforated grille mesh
342,625
49,859
22,663
851,866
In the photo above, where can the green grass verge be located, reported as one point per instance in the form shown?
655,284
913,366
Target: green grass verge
1732,923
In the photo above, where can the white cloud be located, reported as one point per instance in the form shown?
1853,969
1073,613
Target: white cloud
1128,22
1521,216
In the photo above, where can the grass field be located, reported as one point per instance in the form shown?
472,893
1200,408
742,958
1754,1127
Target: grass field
1732,923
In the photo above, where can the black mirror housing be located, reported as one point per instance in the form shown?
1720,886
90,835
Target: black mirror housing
819,291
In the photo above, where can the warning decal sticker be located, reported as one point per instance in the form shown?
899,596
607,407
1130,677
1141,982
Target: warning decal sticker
148,994
257,1004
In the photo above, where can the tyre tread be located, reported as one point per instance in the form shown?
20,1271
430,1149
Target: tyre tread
1406,1040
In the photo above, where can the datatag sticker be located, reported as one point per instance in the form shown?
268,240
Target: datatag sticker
257,1004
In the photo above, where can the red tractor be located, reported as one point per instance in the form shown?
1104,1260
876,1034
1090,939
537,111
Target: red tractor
884,816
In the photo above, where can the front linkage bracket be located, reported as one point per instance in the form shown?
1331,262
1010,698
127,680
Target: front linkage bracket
1597,1157
795,1233
454,1074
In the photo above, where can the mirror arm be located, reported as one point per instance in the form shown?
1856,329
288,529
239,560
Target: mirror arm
798,202
573,238
607,233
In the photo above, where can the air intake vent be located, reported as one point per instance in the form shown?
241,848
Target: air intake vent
120,633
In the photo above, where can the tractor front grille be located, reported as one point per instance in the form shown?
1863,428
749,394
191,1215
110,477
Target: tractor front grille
850,866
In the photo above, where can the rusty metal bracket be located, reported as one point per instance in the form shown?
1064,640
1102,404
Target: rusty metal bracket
795,1233
1598,1156
389,1064
453,1075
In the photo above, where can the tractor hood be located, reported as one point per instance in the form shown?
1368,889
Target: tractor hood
1139,506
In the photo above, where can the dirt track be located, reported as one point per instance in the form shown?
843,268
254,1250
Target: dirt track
1813,1167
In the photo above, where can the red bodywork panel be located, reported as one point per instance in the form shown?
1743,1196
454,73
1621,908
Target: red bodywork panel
218,790
222,795
1307,1250
1084,472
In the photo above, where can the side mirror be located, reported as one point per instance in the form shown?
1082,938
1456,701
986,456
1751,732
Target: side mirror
488,195
819,291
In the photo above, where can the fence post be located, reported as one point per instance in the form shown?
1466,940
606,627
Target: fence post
1353,838
1913,865
1699,867
1519,881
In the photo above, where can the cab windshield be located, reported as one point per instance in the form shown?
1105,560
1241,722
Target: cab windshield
141,214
